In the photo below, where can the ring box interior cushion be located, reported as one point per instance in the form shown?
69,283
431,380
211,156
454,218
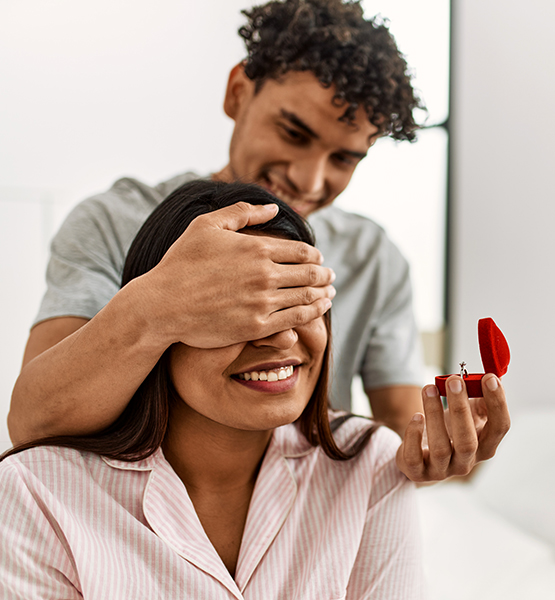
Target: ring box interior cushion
495,354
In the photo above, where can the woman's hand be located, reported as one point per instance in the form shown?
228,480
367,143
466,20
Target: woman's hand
444,443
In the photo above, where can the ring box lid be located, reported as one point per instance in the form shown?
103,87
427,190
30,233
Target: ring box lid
495,354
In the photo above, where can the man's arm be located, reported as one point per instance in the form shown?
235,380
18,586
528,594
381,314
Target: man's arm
395,405
215,287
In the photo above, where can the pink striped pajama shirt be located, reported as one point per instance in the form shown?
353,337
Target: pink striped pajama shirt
76,525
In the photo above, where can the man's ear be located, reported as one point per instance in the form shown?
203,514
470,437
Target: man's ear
239,89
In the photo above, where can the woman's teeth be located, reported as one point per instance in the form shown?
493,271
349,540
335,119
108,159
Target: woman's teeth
273,375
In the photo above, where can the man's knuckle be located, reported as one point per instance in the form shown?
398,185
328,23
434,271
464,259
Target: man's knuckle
313,275
308,296
413,462
441,454
263,247
269,277
503,427
499,431
300,317
467,449
459,409
266,305
434,408
303,252
258,327
243,206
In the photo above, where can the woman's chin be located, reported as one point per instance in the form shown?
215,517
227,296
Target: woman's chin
271,419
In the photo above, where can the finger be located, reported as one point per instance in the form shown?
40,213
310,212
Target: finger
499,420
240,215
289,252
292,297
463,430
297,316
439,442
295,275
410,456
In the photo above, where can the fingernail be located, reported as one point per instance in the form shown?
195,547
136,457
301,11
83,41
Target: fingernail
431,391
333,275
455,385
417,417
327,303
492,384
333,292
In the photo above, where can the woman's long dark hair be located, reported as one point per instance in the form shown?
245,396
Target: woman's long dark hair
140,429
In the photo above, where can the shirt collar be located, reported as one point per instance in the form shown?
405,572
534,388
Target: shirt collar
290,442
287,440
146,464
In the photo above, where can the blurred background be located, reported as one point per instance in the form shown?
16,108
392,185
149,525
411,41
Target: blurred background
91,92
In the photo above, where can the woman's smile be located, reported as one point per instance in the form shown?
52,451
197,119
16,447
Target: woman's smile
257,385
274,381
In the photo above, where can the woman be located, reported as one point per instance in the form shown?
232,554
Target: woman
223,478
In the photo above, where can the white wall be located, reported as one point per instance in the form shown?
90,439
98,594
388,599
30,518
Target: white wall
91,93
504,203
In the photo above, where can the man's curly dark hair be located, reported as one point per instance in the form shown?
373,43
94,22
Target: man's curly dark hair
331,38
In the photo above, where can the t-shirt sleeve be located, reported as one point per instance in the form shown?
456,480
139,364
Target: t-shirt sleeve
388,565
393,352
84,269
88,252
35,563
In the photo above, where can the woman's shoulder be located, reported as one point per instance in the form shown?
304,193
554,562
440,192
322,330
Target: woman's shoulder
346,429
374,468
46,460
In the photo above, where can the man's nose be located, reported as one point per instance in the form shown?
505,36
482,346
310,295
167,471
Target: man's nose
283,340
308,175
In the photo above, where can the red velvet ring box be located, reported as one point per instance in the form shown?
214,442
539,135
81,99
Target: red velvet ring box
495,354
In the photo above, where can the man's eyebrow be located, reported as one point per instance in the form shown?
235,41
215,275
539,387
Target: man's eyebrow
294,119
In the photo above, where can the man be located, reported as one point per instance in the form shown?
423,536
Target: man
319,85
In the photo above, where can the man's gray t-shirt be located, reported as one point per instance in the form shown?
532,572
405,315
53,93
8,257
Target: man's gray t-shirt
374,332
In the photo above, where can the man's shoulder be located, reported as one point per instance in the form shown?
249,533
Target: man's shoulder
129,194
112,218
353,240
341,222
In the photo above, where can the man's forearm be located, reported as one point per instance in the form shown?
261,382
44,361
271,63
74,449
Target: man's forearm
83,382
395,405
